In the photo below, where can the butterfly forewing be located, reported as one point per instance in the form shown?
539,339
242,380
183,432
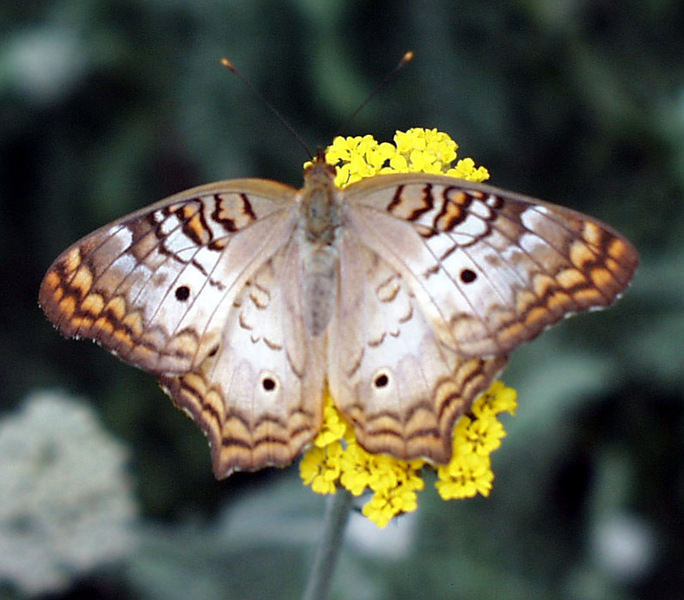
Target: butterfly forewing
491,269
155,286
405,292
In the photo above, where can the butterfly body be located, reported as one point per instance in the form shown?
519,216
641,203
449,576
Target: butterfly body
403,294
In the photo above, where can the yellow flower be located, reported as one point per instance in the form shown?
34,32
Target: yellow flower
335,458
357,469
334,426
464,477
387,504
496,400
320,468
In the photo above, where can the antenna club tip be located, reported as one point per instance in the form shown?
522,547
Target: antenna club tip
228,64
408,56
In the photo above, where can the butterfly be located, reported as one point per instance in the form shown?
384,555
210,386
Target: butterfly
401,294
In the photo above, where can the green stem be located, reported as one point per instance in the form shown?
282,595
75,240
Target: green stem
329,546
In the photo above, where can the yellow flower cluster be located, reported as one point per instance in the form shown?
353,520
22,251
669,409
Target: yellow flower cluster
336,458
476,436
417,150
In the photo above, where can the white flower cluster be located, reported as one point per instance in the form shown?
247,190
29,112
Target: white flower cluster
45,63
66,504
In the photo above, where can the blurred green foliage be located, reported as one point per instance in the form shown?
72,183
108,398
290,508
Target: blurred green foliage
108,106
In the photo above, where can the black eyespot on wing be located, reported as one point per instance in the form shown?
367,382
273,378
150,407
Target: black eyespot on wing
182,293
269,384
381,381
468,276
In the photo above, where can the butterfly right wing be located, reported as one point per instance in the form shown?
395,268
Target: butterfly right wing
154,287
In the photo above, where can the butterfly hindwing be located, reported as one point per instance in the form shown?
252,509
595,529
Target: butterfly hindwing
259,397
389,372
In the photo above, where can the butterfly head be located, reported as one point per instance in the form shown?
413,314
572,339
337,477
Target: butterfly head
319,169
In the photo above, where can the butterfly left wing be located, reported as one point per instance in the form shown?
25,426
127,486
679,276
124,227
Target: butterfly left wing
134,286
259,398
203,289
489,268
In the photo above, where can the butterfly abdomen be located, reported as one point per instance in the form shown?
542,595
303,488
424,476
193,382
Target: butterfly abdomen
320,268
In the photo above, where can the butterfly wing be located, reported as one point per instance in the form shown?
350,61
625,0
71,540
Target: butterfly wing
389,373
259,398
489,269
203,290
134,285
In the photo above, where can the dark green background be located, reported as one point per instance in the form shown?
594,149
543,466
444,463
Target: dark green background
580,103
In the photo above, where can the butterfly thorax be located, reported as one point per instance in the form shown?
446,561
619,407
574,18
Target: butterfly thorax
320,220
320,204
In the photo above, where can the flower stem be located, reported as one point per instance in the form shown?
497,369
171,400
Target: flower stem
329,546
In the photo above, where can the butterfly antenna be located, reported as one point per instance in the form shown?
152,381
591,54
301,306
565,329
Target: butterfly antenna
407,58
233,69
